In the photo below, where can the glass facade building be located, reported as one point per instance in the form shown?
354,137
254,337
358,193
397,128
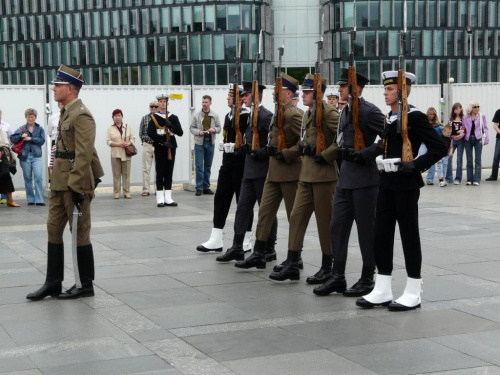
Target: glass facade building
130,42
441,34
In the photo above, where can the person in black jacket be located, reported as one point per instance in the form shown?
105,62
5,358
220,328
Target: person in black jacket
398,195
230,176
164,125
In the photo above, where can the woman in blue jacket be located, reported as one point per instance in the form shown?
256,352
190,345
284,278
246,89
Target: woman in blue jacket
33,137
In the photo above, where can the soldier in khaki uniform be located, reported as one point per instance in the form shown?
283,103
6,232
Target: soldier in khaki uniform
317,182
72,184
283,174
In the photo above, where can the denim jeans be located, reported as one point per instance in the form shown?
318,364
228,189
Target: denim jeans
442,167
496,159
459,146
32,169
477,145
203,156
432,170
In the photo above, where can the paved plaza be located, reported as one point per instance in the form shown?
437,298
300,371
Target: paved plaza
161,307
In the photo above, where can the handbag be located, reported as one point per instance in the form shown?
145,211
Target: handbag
130,150
4,166
18,146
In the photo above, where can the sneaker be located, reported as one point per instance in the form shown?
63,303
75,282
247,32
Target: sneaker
468,183
208,192
430,183
198,192
442,184
456,182
3,201
475,183
491,178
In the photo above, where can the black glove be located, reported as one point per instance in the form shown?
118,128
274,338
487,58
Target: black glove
406,167
320,159
96,182
169,125
77,198
358,157
243,150
279,155
13,169
167,145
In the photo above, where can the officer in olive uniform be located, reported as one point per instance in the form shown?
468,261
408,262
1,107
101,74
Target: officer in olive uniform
283,174
333,99
356,193
398,195
72,184
317,182
254,176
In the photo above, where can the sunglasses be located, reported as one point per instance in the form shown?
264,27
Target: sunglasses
153,106
476,106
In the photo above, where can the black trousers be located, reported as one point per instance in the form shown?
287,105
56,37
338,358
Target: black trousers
164,168
251,192
401,207
228,185
351,205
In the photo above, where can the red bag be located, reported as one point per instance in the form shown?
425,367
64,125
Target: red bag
18,146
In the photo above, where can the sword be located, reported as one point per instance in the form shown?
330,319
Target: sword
74,231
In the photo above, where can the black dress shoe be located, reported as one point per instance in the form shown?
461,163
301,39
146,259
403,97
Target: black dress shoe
361,288
31,204
320,277
361,302
394,306
46,290
336,283
270,256
40,204
74,292
160,205
279,267
290,271
198,192
257,260
204,249
208,192
233,253
491,178
173,204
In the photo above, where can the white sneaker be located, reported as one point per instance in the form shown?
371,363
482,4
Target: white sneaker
456,182
442,184
468,183
475,183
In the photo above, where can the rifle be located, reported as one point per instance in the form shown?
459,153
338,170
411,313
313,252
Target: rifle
278,90
406,153
167,137
359,142
255,99
236,99
318,96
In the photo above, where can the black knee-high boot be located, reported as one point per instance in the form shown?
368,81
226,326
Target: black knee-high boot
55,273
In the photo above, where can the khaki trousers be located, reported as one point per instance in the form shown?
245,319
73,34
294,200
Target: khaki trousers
312,197
121,173
148,153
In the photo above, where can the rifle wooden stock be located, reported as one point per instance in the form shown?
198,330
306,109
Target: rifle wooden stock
255,115
236,116
318,115
406,153
359,142
279,114
167,137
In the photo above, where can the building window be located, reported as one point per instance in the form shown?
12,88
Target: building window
194,44
222,74
174,19
233,17
221,17
218,48
209,18
186,19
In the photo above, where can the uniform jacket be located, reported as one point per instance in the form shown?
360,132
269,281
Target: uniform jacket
311,170
467,124
371,122
257,166
77,135
197,125
288,169
419,131
230,137
34,146
158,135
113,135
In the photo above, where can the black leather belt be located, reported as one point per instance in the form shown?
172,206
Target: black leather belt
64,155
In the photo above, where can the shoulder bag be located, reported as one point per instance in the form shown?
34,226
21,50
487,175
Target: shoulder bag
130,150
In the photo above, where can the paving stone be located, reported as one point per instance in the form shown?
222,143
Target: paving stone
165,298
441,289
126,270
311,362
215,277
249,343
488,311
9,365
138,284
486,370
413,357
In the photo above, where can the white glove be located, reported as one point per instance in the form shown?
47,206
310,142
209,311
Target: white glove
380,162
229,148
389,164
221,146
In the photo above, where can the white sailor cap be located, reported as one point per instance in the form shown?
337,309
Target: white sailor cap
391,78
231,88
333,94
162,96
